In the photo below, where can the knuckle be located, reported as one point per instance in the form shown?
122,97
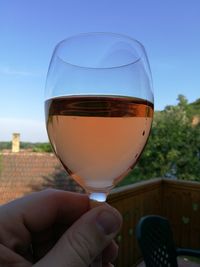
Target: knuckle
49,194
49,191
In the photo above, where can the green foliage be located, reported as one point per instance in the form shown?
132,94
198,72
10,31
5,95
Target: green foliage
5,145
173,149
43,147
182,101
35,147
194,108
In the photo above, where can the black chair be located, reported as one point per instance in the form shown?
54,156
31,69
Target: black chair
156,243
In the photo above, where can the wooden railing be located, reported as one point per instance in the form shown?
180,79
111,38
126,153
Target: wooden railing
177,200
181,204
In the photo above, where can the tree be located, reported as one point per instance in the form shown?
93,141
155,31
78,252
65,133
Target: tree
42,147
173,149
182,101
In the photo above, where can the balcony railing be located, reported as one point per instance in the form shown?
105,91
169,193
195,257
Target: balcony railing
177,200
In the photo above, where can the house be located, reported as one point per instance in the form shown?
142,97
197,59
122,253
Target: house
22,172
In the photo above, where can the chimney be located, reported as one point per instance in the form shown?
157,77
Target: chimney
15,142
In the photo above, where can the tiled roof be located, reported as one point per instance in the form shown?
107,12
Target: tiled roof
25,172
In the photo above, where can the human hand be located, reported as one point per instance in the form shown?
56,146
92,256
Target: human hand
56,229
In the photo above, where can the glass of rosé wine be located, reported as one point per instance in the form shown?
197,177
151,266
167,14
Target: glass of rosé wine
99,108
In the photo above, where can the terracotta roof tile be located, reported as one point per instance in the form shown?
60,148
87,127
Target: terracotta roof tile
24,172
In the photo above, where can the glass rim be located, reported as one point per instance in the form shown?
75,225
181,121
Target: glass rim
124,36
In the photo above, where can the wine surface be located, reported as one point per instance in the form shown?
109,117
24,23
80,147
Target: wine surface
98,139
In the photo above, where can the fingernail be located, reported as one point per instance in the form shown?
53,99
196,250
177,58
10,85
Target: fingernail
109,221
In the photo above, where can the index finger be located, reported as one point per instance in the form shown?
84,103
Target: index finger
42,209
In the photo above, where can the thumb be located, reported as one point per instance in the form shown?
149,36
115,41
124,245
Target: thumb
85,239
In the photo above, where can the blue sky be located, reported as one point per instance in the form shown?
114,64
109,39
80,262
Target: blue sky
29,30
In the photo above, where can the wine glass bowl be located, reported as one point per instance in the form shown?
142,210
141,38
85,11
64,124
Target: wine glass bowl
99,108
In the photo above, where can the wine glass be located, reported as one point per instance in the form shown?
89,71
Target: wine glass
99,108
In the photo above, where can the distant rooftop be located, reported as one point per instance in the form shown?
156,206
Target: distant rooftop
24,172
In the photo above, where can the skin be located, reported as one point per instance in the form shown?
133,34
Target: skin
57,228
